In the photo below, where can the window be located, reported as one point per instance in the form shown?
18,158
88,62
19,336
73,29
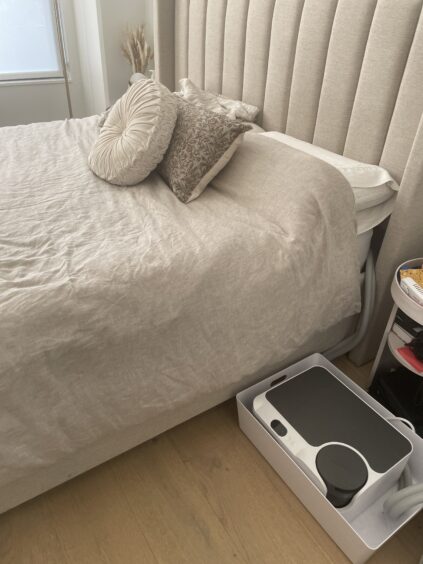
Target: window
28,40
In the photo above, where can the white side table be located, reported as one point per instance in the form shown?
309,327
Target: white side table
388,359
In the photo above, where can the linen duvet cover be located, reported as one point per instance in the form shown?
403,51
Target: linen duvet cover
120,304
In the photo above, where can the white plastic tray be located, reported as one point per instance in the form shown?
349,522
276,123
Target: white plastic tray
358,538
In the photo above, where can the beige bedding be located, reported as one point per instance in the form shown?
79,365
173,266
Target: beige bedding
119,304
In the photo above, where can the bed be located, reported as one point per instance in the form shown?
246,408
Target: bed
124,312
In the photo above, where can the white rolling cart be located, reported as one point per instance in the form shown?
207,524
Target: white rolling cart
405,322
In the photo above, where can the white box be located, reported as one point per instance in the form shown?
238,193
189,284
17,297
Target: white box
360,537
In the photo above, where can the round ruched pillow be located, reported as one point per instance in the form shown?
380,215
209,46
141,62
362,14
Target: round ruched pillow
136,134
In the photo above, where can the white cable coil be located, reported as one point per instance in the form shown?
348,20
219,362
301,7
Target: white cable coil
406,498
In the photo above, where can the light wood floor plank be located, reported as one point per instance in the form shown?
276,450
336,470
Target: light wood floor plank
95,523
178,523
27,535
260,512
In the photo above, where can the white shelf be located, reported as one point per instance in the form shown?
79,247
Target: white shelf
403,300
395,343
411,308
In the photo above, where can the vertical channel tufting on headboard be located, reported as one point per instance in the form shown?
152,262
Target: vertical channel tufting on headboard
234,48
198,16
391,35
215,43
408,110
346,75
257,43
350,32
309,67
180,53
283,45
326,71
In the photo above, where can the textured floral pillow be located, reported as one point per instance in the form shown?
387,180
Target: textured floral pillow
202,144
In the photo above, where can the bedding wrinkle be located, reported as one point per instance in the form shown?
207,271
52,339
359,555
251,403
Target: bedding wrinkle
118,304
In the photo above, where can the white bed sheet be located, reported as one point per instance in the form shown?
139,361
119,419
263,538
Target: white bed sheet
118,305
374,190
372,207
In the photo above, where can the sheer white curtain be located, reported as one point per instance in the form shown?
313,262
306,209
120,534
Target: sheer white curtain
28,40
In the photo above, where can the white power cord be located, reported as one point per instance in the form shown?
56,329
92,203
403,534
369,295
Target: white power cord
403,500
408,496
403,420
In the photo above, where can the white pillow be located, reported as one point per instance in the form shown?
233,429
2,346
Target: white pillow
233,109
135,135
373,187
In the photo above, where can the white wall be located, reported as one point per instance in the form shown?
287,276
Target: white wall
23,102
115,16
149,22
100,26
91,55
33,102
99,72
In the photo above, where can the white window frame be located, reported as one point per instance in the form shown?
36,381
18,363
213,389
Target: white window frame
40,75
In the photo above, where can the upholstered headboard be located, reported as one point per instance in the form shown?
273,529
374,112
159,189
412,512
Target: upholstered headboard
346,75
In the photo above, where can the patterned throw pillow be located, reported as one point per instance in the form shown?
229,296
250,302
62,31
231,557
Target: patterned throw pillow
202,144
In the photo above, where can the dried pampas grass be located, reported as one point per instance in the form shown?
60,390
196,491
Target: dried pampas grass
136,49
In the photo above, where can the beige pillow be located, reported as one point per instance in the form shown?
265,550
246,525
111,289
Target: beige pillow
135,134
203,142
234,109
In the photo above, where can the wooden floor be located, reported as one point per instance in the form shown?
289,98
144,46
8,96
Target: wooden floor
199,494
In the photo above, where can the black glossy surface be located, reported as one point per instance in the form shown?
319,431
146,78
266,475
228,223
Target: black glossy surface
323,410
343,472
277,426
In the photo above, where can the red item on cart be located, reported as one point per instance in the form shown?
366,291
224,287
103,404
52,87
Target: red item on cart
411,358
